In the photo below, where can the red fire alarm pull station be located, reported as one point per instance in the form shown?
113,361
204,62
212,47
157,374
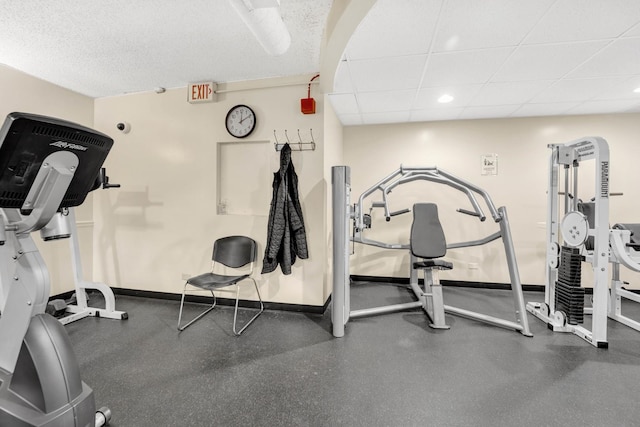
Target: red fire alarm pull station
308,104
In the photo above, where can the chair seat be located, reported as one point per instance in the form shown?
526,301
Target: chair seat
434,263
214,281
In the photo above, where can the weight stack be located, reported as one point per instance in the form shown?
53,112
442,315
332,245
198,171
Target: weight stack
569,293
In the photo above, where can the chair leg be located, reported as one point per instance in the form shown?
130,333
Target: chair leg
235,314
182,328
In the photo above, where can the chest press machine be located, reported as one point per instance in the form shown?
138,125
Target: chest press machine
46,165
582,234
426,236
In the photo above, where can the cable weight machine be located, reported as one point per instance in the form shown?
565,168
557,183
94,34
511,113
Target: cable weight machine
583,235
574,238
430,298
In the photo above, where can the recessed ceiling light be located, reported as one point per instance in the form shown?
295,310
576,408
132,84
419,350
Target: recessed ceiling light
637,90
445,98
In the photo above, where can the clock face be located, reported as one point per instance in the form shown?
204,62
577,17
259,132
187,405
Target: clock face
240,121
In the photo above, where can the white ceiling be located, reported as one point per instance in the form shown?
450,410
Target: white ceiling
496,58
110,47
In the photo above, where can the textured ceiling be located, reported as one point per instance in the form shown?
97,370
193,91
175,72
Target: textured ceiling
496,58
109,47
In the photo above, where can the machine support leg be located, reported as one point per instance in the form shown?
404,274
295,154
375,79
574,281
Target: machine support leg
435,302
514,274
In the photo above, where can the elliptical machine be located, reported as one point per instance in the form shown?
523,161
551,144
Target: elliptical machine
46,165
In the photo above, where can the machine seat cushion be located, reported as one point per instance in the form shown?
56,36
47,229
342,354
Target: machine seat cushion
434,263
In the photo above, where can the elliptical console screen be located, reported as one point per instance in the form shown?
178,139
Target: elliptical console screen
27,139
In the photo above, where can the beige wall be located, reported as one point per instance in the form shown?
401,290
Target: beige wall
24,93
161,224
521,145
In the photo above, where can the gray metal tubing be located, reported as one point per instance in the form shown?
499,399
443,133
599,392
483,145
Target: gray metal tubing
375,187
384,309
419,292
479,242
484,318
575,187
379,244
492,208
566,189
435,178
340,206
514,274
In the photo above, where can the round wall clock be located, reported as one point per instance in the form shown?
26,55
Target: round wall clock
240,121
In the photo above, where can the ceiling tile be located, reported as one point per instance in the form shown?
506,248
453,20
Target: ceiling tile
387,73
576,90
395,28
634,32
536,62
546,109
572,20
505,93
603,107
623,89
487,112
462,95
619,58
400,100
351,119
435,114
379,118
634,109
473,24
342,81
344,103
463,68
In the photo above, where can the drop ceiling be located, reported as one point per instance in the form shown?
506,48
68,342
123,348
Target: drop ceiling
495,58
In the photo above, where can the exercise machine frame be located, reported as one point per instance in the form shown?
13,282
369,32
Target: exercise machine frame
573,230
430,298
610,246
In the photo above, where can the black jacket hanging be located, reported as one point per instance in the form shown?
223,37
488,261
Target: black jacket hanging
286,238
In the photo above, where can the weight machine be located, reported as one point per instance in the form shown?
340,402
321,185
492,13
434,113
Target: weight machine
46,165
428,298
583,235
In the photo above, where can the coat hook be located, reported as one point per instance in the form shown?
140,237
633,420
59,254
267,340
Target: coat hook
313,141
286,135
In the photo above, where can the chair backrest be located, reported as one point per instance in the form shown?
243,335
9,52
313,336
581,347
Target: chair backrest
427,237
235,251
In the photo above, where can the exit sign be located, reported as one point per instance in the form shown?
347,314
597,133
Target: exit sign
201,92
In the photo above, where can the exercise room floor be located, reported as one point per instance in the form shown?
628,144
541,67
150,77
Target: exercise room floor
389,370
